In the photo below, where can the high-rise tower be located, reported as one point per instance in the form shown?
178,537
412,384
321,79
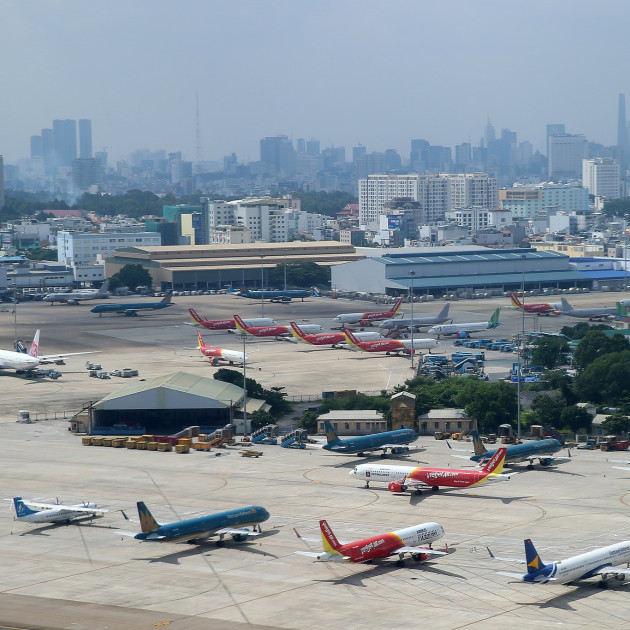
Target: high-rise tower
85,139
623,145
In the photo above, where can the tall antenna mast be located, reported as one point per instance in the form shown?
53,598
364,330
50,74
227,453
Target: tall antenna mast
198,153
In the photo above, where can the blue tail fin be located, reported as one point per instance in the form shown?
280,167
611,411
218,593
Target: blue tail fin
147,522
21,509
331,434
534,563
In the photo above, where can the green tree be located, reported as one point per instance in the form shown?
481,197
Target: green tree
308,421
328,203
616,424
596,344
618,208
261,419
606,380
548,409
579,330
548,352
491,404
132,276
300,274
575,419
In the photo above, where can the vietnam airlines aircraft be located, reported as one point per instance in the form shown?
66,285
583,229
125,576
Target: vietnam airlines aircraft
330,339
131,308
417,322
275,295
272,331
396,543
52,512
402,478
604,562
602,312
217,354
226,324
463,330
392,440
366,319
389,346
229,523
544,308
74,297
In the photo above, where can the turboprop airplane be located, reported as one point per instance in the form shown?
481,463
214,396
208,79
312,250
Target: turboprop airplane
217,354
74,297
395,441
330,339
396,543
603,561
544,308
22,362
272,331
603,312
416,322
389,346
403,478
463,330
229,523
226,324
275,295
541,450
52,512
366,319
130,309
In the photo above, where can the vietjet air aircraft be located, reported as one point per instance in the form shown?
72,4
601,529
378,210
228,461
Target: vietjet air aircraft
74,297
329,339
366,319
603,562
402,478
226,324
216,354
396,543
544,308
389,346
272,331
462,330
52,512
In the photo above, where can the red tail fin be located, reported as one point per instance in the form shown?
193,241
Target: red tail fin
495,465
297,331
195,317
350,337
329,540
396,307
240,324
515,300
201,343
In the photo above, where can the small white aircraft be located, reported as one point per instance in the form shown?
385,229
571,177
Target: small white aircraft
52,512
74,297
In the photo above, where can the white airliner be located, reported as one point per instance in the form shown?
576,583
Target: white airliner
74,297
603,562
463,330
52,512
11,360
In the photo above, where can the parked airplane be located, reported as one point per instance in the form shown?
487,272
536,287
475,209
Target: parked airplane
541,450
272,331
226,324
74,297
275,295
402,478
603,561
395,441
389,346
131,308
330,339
544,308
366,319
463,330
418,322
396,543
603,312
231,522
21,361
217,354
52,512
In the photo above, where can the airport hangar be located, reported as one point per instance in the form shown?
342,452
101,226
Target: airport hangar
442,270
167,404
214,266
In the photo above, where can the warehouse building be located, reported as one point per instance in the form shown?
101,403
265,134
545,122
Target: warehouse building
443,270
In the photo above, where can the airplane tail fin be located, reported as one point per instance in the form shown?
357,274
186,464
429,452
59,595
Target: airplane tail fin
532,558
21,509
478,446
35,345
352,340
195,317
443,314
566,307
200,339
167,298
102,292
396,307
495,465
329,540
494,320
297,331
240,324
331,434
147,522
515,301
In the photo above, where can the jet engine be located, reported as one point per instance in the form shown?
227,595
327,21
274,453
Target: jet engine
462,334
240,537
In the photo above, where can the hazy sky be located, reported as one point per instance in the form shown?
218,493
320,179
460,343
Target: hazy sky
342,71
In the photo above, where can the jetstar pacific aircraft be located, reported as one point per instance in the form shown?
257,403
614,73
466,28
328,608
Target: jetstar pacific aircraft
329,339
366,319
216,354
544,308
388,346
396,543
272,331
402,478
226,324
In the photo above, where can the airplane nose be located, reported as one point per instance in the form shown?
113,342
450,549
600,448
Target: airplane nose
353,472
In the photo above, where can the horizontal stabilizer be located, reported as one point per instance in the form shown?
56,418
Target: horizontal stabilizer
621,467
132,534
517,576
324,557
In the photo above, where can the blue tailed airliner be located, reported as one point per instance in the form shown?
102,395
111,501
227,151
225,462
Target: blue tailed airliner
131,308
230,523
395,441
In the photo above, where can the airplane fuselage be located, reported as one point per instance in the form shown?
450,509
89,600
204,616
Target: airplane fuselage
55,515
371,442
453,329
10,360
522,452
130,307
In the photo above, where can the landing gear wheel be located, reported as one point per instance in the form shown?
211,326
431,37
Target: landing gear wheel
367,485
435,488
418,491
383,454
400,563
403,488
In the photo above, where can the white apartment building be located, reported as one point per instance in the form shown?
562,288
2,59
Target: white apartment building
528,201
80,249
602,177
474,219
302,222
230,235
376,191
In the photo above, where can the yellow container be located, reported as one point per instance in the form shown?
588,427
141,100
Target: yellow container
130,443
152,446
119,442
97,441
107,441
87,440
185,441
141,445
182,448
164,446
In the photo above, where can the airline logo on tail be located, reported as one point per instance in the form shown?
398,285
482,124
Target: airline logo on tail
240,324
35,345
200,339
350,338
532,558
297,332
147,522
397,306
494,320
331,434
329,540
515,301
194,317
495,465
21,509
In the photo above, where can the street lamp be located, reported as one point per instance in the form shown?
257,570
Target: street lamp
15,303
262,285
244,387
284,253
521,350
412,275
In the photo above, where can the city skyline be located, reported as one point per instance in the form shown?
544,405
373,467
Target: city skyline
347,74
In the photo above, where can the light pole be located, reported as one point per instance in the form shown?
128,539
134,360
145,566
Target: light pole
521,350
262,284
412,275
284,253
15,304
245,431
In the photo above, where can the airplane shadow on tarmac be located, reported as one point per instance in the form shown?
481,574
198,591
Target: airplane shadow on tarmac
415,499
49,527
579,592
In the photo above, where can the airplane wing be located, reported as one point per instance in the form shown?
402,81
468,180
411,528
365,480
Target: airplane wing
132,534
614,570
236,530
51,358
423,550
61,509
556,460
621,467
